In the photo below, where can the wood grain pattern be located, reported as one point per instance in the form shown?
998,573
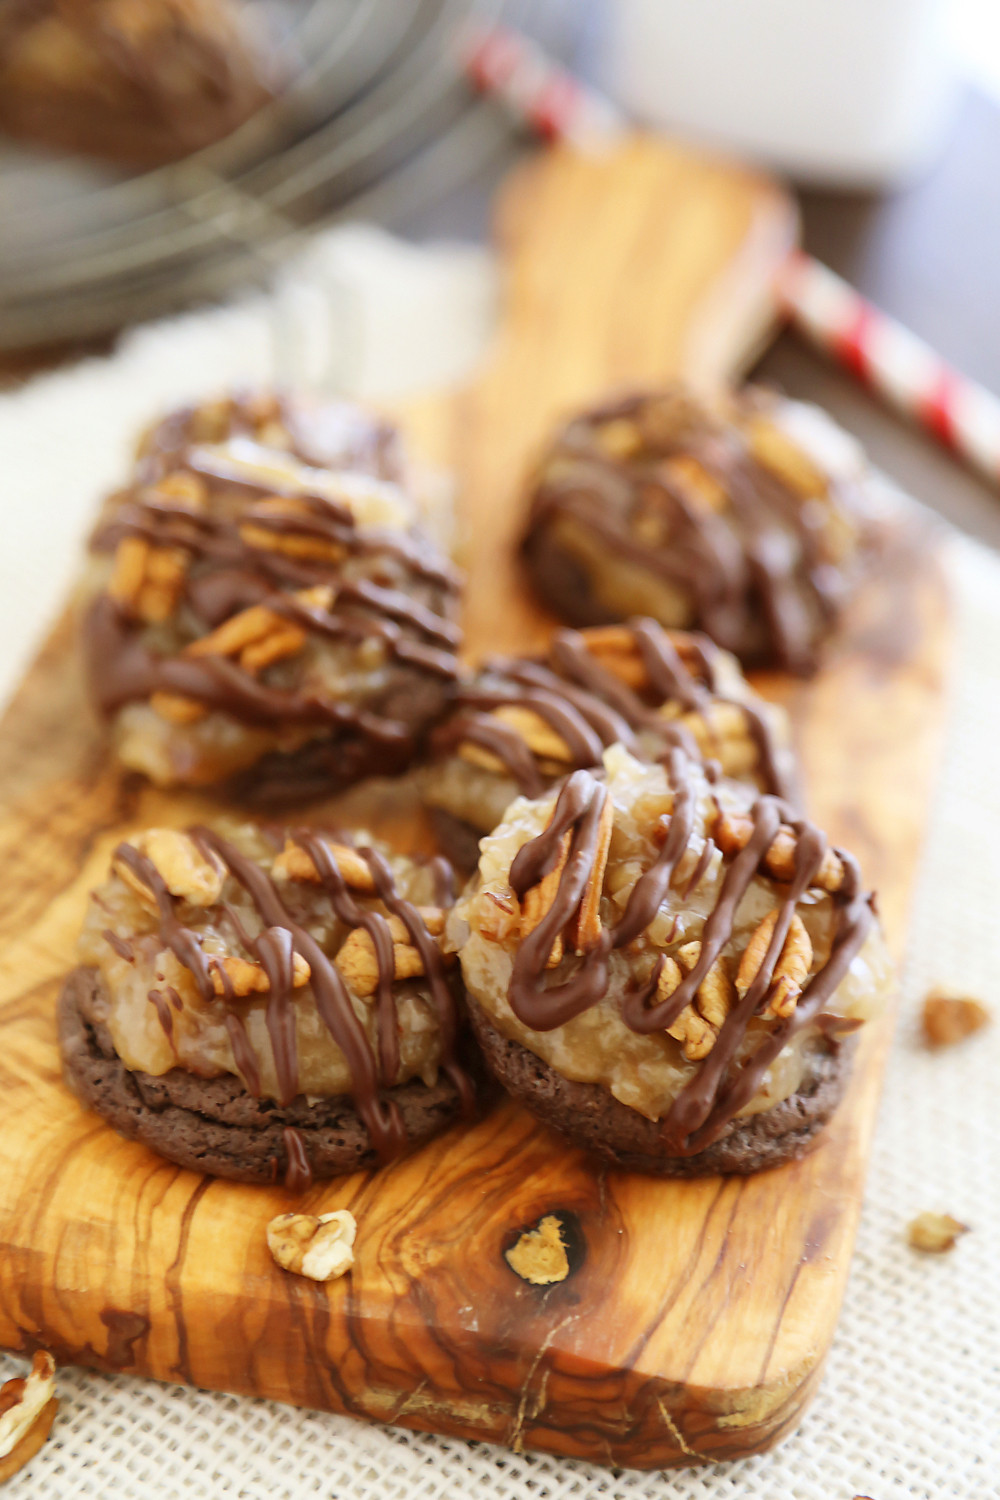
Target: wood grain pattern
696,1315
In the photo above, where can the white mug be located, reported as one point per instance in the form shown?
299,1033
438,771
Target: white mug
855,92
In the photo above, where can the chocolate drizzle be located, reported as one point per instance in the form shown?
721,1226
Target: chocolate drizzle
328,435
405,600
591,708
721,1087
274,948
760,573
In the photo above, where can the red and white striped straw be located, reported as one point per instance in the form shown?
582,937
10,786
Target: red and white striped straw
536,89
890,359
898,366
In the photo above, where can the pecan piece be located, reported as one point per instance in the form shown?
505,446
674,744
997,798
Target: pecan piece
586,930
536,732
618,438
176,708
935,1233
615,649
320,1246
698,1025
732,832
791,967
539,1255
245,633
296,863
722,733
772,448
947,1019
256,637
210,421
189,872
147,581
696,484
28,1407
240,977
538,901
358,961
256,532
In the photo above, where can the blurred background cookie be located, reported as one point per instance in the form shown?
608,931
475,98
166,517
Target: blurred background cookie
254,614
135,81
745,517
521,724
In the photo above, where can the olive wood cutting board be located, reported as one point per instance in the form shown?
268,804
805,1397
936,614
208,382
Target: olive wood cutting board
696,1315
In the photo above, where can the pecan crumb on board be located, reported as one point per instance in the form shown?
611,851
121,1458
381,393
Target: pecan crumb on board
28,1407
948,1018
935,1232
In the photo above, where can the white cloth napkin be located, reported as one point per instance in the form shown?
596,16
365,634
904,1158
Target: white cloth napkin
910,1405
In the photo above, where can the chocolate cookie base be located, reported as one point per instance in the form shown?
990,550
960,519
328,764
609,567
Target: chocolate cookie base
456,839
332,763
214,1125
562,583
587,1115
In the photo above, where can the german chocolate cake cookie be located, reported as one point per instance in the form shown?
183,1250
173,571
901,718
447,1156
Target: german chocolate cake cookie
263,604
745,517
664,969
263,1007
136,81
520,724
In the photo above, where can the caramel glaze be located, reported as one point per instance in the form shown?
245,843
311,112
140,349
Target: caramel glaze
274,948
228,574
590,708
762,562
718,1091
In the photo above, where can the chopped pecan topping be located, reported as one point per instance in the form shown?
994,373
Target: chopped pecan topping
583,931
256,532
620,438
723,734
697,485
538,901
256,637
784,458
699,1023
499,916
296,863
732,832
951,1018
147,581
790,970
358,961
187,871
586,932
176,708
615,649
241,977
183,488
539,736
